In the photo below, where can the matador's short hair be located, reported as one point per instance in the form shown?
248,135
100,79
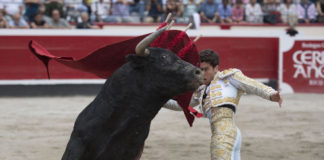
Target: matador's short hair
209,56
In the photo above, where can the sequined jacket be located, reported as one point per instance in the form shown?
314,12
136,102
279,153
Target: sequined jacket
226,88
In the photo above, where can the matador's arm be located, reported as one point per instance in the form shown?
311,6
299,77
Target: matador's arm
173,105
242,82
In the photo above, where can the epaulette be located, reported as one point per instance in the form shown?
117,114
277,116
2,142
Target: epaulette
227,72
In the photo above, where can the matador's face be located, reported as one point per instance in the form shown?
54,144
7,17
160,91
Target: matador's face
209,72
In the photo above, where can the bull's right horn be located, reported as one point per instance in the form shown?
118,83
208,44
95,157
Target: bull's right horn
142,45
196,39
168,17
170,25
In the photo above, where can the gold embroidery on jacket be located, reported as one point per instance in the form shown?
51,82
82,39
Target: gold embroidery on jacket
253,83
223,133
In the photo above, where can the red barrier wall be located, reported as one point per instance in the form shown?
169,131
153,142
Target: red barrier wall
256,57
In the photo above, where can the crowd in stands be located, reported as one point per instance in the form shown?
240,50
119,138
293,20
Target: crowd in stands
84,13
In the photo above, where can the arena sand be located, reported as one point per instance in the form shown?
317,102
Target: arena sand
38,128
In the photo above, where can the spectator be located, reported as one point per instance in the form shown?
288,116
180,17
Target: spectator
12,7
225,11
261,2
191,7
85,24
218,2
291,31
253,12
2,10
17,22
288,12
86,7
42,10
51,5
31,9
174,7
271,13
269,5
313,1
209,12
320,10
137,7
120,11
155,10
102,11
57,22
38,21
244,2
238,12
73,8
3,21
306,12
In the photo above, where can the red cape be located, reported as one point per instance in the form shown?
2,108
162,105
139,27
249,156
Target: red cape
104,61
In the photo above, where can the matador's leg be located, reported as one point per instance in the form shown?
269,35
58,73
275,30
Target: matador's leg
225,140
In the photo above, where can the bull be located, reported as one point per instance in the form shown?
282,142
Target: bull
116,123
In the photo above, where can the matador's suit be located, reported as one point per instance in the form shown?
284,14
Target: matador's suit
218,102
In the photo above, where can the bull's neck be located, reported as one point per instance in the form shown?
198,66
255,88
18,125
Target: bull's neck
137,92
143,101
143,93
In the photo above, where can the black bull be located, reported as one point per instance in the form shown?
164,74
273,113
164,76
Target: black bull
116,123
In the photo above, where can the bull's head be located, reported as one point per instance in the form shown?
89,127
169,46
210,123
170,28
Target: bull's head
166,71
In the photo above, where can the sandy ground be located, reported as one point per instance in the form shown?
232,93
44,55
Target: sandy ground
38,128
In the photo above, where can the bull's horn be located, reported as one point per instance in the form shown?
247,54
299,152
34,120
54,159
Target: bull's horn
196,39
141,46
170,25
189,25
168,18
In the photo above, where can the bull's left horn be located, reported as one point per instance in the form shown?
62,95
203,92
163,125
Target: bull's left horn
141,46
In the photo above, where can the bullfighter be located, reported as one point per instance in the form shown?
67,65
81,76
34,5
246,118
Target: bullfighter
218,99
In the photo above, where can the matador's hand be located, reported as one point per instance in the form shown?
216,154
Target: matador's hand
276,98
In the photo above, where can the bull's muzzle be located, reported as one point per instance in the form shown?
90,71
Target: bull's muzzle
199,75
198,79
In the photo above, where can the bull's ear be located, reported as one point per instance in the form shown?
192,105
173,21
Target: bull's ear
136,61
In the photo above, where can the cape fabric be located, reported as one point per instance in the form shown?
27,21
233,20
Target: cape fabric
104,61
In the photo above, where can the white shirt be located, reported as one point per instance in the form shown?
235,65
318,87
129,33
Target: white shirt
73,1
292,10
256,10
12,6
76,4
101,8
